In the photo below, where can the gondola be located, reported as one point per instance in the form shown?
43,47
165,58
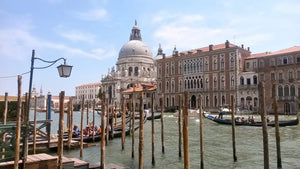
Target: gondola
282,123
117,132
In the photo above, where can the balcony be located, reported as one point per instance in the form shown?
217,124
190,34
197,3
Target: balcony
253,86
280,80
291,80
287,98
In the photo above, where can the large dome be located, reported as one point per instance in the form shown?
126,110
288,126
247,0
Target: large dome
135,48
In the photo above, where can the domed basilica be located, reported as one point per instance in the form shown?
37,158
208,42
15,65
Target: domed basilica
135,66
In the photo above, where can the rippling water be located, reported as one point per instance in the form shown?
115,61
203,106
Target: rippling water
217,146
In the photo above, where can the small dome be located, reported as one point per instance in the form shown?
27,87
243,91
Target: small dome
135,48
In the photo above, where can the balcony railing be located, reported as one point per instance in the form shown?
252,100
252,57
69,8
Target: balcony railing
253,86
286,98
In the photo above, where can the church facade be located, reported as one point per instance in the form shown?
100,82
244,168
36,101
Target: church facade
135,66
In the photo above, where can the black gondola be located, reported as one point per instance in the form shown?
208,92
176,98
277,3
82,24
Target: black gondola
282,123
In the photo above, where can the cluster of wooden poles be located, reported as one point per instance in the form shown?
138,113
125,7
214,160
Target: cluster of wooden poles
182,129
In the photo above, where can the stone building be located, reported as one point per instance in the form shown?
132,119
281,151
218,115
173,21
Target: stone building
88,91
211,71
218,72
135,66
280,71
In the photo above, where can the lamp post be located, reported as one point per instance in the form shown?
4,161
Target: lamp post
63,70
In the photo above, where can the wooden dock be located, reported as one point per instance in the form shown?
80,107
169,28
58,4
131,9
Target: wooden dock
42,161
46,161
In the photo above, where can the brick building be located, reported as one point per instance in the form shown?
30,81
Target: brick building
218,72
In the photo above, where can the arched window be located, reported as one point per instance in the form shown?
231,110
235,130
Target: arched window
292,90
280,91
242,80
286,90
130,71
215,82
136,71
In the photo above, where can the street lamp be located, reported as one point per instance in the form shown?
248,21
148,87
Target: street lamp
63,70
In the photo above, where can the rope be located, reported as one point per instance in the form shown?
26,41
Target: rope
12,76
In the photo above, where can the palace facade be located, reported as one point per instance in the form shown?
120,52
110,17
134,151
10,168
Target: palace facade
218,72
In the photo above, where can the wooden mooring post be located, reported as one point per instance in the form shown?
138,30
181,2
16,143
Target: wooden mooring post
162,123
153,131
70,122
132,126
179,125
186,131
81,128
201,133
279,164
87,112
233,129
4,119
141,133
60,148
107,125
18,130
123,123
34,125
261,92
94,104
102,158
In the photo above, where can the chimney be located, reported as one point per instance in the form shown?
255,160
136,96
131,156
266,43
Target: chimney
211,47
164,56
199,50
190,52
227,44
248,48
242,46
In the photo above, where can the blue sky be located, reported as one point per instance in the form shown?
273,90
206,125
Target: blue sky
90,33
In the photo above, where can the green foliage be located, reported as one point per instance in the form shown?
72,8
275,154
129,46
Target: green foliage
11,110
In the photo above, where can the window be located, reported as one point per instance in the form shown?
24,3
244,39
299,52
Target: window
180,67
290,75
286,90
298,74
255,80
136,71
272,76
261,63
280,76
172,69
272,62
232,60
242,80
292,89
280,91
285,60
222,62
130,71
248,81
254,65
298,58
167,70
247,65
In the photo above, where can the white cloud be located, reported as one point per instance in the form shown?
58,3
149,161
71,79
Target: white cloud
92,15
77,36
13,43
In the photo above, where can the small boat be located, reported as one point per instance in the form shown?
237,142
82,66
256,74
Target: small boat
156,116
281,123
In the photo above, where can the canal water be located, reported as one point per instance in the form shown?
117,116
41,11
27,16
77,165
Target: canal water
217,146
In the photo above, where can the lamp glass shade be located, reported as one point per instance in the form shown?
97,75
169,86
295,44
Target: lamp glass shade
64,70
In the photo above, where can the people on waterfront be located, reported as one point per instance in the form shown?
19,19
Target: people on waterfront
75,131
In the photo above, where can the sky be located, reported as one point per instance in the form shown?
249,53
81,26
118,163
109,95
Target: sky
90,33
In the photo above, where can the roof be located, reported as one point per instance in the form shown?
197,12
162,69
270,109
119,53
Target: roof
283,51
90,84
205,49
139,88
